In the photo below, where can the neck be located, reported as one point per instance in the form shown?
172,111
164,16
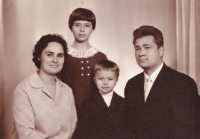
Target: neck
81,45
46,78
151,70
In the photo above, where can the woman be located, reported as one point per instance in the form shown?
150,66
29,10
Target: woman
43,105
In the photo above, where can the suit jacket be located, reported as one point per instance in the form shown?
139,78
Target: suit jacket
97,121
170,111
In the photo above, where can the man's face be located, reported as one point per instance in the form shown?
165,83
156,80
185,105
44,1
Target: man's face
147,53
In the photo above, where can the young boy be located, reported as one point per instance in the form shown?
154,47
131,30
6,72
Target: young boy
100,115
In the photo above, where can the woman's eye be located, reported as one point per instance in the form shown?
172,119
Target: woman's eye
49,55
60,55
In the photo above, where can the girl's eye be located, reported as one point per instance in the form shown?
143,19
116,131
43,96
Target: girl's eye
76,25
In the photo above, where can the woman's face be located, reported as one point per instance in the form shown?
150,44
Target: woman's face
52,58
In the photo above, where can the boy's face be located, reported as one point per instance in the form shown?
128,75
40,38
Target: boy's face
105,80
81,30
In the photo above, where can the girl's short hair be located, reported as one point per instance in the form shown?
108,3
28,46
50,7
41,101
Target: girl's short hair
106,65
43,43
82,14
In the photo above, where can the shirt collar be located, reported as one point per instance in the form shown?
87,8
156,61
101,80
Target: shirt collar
36,82
154,74
108,94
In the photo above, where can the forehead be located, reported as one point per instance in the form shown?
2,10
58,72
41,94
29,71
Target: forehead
105,72
81,22
54,47
144,40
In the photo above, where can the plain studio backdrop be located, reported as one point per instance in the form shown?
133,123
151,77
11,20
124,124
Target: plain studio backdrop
25,21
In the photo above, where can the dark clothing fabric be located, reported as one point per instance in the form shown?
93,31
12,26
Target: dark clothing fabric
170,111
77,73
97,121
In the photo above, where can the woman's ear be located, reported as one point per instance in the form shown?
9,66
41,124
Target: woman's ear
39,58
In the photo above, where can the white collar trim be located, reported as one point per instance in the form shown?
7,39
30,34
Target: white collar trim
82,53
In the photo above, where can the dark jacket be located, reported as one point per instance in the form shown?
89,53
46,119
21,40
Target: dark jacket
97,121
170,111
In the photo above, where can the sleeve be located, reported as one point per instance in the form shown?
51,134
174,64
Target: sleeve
186,111
74,115
24,116
83,124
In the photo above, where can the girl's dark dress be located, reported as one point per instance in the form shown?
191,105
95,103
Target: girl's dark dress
77,72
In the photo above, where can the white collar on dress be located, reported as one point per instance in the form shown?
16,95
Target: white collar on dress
82,53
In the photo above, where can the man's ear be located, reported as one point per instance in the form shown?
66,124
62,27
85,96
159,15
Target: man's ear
161,50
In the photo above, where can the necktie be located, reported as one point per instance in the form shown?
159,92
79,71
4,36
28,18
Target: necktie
147,87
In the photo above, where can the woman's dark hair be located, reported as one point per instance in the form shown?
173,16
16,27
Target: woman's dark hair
43,43
82,14
149,31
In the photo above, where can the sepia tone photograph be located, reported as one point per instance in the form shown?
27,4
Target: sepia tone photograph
97,69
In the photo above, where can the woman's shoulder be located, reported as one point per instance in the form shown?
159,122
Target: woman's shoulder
64,85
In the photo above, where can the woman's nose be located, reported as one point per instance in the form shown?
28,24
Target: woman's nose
55,59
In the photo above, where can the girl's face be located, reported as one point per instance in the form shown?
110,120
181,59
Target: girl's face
81,30
52,58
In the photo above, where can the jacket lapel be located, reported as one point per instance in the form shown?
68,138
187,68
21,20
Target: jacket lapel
159,85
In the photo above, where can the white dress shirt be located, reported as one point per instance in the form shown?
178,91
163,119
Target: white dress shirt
107,98
152,77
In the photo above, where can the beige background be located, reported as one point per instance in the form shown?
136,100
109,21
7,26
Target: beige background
25,21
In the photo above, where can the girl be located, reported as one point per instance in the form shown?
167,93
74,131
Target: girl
43,105
77,71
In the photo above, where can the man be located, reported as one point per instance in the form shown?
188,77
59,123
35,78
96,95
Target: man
161,103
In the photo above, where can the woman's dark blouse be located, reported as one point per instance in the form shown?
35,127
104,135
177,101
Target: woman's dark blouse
77,72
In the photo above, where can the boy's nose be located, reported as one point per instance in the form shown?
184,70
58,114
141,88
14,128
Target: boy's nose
105,82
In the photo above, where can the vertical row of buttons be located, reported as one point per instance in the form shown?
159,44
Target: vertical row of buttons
82,68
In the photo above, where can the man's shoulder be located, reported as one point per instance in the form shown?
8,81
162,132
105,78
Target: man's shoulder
177,75
136,77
